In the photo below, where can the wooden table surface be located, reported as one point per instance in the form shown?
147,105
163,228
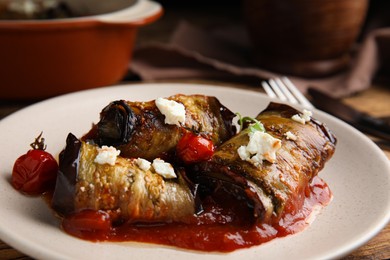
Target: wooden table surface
375,100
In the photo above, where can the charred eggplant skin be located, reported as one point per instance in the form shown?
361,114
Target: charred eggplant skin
138,128
275,187
64,193
117,124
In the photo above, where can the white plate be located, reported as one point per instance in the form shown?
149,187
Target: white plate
358,174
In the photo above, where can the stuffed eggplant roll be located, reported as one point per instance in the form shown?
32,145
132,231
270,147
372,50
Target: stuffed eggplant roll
152,129
132,190
270,163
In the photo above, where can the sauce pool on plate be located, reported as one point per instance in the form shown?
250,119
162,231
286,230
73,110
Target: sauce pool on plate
217,228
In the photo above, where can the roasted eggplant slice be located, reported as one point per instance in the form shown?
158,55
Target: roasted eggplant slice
126,189
276,187
138,129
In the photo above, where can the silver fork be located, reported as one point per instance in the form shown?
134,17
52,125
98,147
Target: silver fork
286,91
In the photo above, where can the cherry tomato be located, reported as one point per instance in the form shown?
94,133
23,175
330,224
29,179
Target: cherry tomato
88,224
36,171
193,148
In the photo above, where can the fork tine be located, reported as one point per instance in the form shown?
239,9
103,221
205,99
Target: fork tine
299,96
285,90
267,88
290,97
277,90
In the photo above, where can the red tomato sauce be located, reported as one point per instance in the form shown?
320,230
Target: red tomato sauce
219,227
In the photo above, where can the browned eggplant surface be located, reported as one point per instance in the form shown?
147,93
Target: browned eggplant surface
138,129
125,190
271,188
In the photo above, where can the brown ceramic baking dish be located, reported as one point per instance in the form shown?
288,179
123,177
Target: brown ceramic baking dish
43,58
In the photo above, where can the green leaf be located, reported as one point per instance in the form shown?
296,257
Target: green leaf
255,125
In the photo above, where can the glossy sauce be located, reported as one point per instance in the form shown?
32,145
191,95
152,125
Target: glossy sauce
219,227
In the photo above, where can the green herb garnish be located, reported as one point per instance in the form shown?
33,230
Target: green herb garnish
254,124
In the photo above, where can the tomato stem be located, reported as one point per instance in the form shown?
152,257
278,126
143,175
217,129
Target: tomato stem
39,143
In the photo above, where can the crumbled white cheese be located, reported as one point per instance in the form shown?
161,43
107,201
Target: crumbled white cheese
143,164
298,119
243,153
173,111
163,168
261,146
106,155
290,136
302,118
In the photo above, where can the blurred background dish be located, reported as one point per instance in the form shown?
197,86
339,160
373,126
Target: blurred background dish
40,58
303,37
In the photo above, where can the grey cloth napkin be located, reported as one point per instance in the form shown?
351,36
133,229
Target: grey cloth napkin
224,55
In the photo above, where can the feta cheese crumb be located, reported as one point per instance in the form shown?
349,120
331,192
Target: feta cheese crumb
302,118
163,168
143,164
261,146
106,155
290,136
173,111
243,153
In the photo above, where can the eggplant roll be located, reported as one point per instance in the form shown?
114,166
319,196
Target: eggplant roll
271,188
138,129
126,190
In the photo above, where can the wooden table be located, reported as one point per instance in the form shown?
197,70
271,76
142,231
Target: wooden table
375,100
